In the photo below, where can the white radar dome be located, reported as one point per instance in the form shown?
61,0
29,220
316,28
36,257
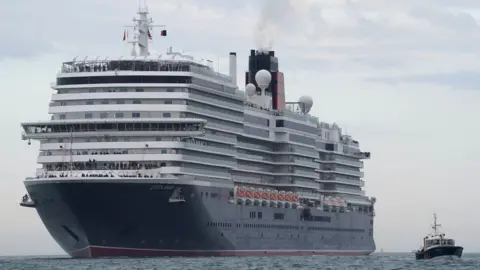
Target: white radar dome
307,102
263,78
250,89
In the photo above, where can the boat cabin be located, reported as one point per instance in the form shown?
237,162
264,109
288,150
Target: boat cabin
438,241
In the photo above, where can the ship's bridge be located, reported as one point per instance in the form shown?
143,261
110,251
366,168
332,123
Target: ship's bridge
114,127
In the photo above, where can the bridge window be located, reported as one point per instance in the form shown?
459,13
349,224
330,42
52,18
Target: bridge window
88,116
136,115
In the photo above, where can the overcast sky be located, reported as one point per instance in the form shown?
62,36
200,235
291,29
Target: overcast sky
399,76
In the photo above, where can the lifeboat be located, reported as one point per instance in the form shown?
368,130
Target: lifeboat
240,192
272,196
265,195
256,194
281,197
248,194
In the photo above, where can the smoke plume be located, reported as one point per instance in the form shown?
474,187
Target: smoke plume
273,15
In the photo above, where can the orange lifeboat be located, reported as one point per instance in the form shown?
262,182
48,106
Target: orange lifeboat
248,194
272,196
256,195
280,197
265,195
240,192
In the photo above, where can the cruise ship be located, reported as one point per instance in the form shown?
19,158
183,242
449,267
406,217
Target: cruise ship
162,155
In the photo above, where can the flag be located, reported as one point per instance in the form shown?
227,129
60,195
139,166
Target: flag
124,35
163,33
149,36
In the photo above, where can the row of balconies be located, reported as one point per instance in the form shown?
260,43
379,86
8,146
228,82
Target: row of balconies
341,171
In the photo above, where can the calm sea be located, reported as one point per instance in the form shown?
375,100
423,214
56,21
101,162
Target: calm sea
383,261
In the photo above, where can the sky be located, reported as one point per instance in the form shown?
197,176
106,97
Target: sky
402,77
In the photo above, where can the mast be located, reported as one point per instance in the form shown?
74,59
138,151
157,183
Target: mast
435,225
142,27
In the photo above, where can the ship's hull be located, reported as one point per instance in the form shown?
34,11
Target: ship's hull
439,251
140,218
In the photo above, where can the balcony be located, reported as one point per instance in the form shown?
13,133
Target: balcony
345,191
204,148
349,172
216,102
341,161
215,114
344,181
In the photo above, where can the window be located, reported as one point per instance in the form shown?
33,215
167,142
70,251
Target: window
120,101
136,115
137,101
256,131
302,139
88,116
296,126
319,218
92,90
104,102
278,216
89,102
118,115
139,90
123,90
62,116
103,115
167,115
256,120
259,215
167,102
170,90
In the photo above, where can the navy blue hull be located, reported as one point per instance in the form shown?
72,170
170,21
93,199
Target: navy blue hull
95,219
439,251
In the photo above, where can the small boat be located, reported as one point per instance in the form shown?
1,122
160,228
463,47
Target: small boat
436,245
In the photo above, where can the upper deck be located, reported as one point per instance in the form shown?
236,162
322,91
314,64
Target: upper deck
139,64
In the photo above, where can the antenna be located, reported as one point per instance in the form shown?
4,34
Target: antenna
435,225
142,30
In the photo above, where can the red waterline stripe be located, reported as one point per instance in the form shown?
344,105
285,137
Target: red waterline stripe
97,251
